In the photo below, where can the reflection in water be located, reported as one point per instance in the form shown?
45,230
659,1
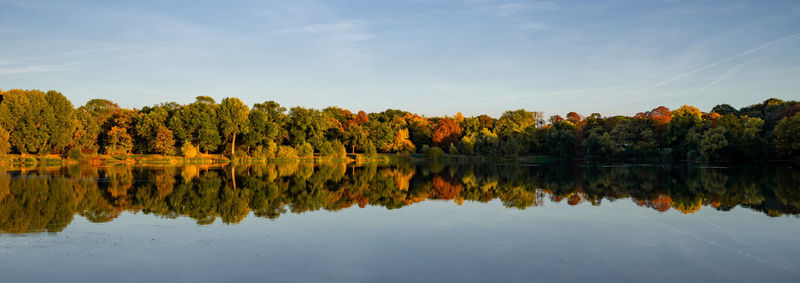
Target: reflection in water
47,199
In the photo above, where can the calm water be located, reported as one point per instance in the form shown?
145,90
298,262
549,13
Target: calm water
426,222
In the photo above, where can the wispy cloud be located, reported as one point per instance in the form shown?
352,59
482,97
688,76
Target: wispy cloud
350,30
535,26
124,48
507,9
33,69
745,53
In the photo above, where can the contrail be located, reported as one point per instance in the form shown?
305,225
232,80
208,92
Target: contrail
729,73
773,43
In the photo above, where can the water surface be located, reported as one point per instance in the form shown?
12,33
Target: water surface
423,222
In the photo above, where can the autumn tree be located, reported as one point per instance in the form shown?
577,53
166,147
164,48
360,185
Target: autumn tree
5,147
163,142
446,132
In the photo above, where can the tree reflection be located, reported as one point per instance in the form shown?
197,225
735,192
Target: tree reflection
46,199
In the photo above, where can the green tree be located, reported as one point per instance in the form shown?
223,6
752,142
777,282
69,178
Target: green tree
23,113
787,137
306,125
265,124
60,121
233,119
560,139
515,122
713,143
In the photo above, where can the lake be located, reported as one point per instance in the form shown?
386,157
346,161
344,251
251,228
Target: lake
412,222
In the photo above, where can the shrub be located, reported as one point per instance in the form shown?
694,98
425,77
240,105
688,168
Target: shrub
286,152
369,149
75,154
434,153
305,151
189,150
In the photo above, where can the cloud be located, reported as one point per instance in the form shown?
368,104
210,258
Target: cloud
508,9
535,26
32,69
350,30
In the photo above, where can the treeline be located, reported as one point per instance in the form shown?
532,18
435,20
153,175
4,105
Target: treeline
46,200
36,122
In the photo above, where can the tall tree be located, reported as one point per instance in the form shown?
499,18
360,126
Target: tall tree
59,120
23,113
232,114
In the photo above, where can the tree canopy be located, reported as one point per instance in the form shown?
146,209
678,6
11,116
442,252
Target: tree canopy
36,122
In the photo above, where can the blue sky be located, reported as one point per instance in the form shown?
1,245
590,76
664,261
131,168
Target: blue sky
433,57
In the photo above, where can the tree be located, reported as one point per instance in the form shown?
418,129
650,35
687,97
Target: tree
750,142
787,137
575,118
446,132
198,124
87,131
355,136
713,143
724,109
560,139
59,120
683,120
306,125
163,142
23,113
148,126
515,122
401,143
635,139
598,143
119,141
233,119
265,123
5,147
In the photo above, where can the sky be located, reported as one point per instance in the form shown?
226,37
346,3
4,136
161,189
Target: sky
432,57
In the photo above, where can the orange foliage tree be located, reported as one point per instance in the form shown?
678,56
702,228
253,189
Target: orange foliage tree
446,132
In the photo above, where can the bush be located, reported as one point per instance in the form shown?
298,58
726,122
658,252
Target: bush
75,154
189,150
305,151
272,149
326,150
453,149
369,149
286,152
434,153
334,149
